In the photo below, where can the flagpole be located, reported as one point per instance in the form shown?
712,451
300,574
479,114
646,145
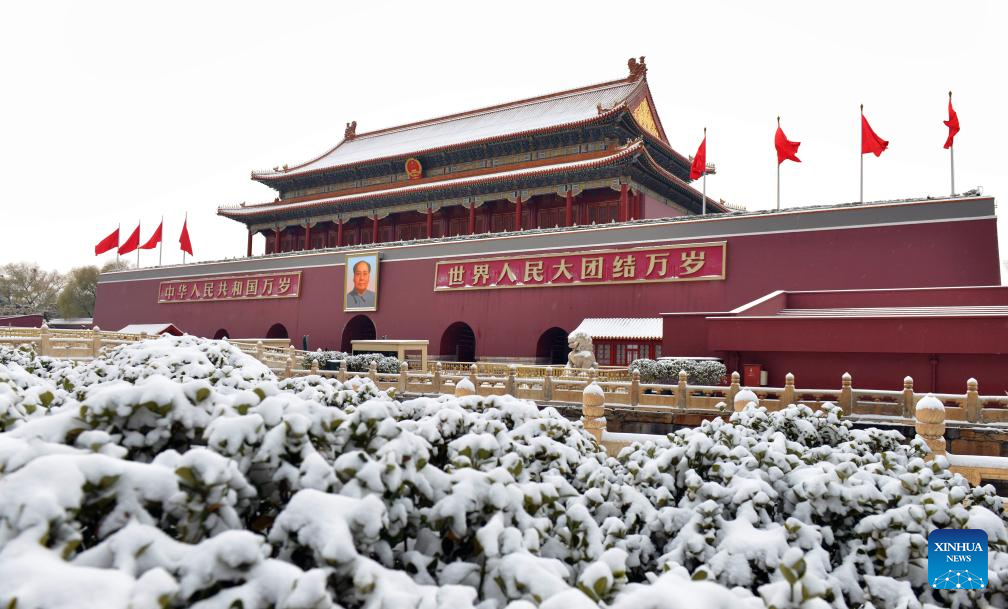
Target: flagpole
138,244
118,228
952,153
704,208
861,158
778,172
161,243
184,221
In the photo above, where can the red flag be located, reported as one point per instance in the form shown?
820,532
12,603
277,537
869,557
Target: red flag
952,123
184,238
699,166
131,244
154,240
108,243
786,149
870,141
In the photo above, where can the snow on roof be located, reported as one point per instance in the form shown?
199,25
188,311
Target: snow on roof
67,321
152,329
529,115
617,155
939,311
622,327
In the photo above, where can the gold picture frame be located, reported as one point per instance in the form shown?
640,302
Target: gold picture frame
354,299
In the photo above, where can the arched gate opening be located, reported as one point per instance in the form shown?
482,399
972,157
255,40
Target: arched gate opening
277,331
458,343
360,327
552,347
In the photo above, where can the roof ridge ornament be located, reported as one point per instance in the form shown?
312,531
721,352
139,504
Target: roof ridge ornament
637,68
351,131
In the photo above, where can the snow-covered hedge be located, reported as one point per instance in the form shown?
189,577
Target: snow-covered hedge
180,473
666,371
355,363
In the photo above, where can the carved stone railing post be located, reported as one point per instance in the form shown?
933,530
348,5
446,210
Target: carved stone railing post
846,399
467,385
593,410
44,348
436,378
635,387
259,351
744,397
372,371
973,411
735,387
788,395
510,386
682,391
314,367
289,364
96,342
548,385
908,397
342,374
403,376
473,369
930,423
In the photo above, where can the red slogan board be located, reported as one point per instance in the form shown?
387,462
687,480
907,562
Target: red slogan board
236,287
689,262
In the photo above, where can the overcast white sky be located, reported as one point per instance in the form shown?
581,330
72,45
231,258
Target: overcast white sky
117,111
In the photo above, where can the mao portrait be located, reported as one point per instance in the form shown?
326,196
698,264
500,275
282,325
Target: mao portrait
361,283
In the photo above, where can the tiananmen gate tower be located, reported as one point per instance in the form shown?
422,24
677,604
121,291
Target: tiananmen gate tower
495,233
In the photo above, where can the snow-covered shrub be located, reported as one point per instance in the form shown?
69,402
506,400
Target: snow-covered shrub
666,371
322,357
176,473
362,361
355,363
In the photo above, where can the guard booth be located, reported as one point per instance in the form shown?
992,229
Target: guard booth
398,348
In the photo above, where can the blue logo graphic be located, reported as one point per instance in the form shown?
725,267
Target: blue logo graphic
957,559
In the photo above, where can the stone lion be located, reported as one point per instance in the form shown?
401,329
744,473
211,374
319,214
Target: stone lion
582,354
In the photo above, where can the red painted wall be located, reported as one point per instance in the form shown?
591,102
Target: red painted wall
22,321
965,335
879,370
882,349
652,208
509,322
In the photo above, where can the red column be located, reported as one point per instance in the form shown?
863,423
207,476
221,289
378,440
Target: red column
623,202
430,222
249,244
307,236
518,214
569,209
276,242
339,233
374,229
472,218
